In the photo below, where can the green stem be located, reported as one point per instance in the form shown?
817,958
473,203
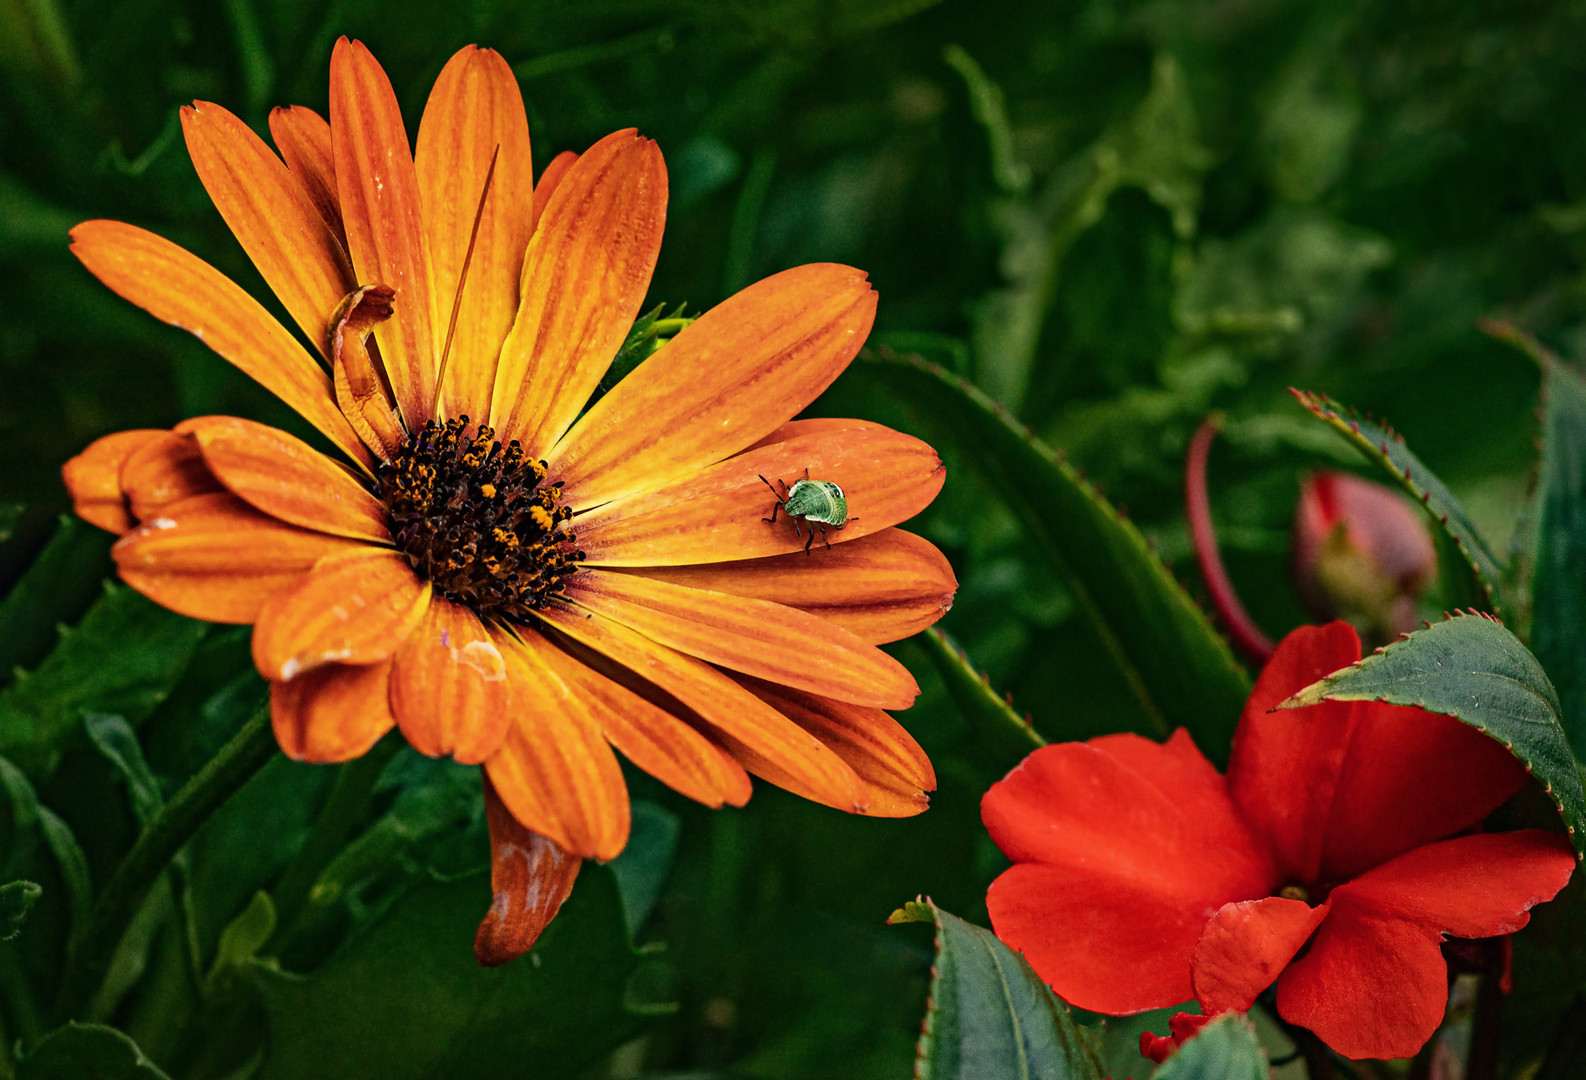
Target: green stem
337,821
167,833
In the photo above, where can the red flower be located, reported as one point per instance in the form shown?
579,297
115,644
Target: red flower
1323,860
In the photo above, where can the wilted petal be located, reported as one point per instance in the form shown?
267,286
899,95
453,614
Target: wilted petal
531,878
451,692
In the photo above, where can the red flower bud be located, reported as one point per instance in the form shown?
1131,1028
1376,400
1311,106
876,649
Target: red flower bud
1361,553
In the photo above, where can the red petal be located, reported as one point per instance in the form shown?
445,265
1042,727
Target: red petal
1135,844
1246,945
531,877
1343,787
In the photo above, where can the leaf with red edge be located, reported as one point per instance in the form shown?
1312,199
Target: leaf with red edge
1472,668
1479,584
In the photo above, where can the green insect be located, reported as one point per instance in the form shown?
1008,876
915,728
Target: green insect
816,503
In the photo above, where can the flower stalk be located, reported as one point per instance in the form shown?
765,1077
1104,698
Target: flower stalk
88,960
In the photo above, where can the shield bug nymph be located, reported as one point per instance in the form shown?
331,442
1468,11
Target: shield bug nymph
816,503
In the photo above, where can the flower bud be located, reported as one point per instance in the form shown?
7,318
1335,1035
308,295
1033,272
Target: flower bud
1362,554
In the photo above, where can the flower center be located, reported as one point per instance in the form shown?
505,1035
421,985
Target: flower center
474,520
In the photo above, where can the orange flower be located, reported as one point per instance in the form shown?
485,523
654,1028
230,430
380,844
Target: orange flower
507,576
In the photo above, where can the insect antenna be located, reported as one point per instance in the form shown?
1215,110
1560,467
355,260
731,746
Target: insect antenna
462,277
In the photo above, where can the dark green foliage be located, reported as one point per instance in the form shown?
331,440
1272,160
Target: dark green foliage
989,1013
1472,668
1110,217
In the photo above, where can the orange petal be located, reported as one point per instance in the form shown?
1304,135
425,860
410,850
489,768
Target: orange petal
163,472
647,735
554,770
551,177
584,276
882,587
272,215
530,876
741,369
451,693
287,478
877,747
716,515
810,425
475,116
333,713
361,392
303,137
757,637
355,608
380,206
766,742
215,557
93,478
178,287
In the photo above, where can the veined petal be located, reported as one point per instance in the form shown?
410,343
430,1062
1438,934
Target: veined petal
876,747
333,713
272,215
554,770
1131,808
215,557
549,179
177,287
450,690
475,116
1343,787
530,876
883,587
303,138
644,733
585,274
286,478
361,391
716,516
381,208
766,742
93,478
355,608
731,376
757,637
163,472
1245,946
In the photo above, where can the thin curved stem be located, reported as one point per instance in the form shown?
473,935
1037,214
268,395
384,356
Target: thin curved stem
1242,629
95,945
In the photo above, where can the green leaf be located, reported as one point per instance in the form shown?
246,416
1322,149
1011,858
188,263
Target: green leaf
998,730
77,1051
115,739
1179,669
123,658
989,1013
1559,589
1225,1049
58,587
406,999
244,936
642,867
16,900
1472,668
27,811
1478,584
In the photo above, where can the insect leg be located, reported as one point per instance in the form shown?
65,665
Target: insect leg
778,506
809,541
825,541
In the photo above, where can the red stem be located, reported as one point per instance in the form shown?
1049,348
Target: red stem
1242,630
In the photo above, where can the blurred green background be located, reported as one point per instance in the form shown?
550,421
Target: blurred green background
1112,217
